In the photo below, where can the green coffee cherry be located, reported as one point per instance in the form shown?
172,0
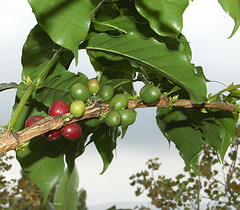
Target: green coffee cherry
77,108
107,92
150,93
118,102
80,92
113,119
128,116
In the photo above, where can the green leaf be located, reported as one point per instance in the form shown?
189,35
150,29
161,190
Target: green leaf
124,130
66,21
232,8
164,16
76,148
43,161
177,127
6,86
216,129
109,62
56,86
66,195
227,125
185,47
149,52
211,133
37,52
105,142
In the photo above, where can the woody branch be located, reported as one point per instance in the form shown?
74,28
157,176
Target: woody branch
10,141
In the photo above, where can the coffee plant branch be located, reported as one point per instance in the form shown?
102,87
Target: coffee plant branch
10,140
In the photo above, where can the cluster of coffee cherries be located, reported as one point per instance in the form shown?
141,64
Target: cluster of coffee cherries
118,113
70,131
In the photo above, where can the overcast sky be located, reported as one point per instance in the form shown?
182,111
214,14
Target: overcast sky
206,27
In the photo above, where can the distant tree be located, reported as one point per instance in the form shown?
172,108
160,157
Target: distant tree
24,194
18,194
216,184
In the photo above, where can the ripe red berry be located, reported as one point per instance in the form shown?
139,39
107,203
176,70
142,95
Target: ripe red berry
58,107
32,120
72,131
53,134
50,135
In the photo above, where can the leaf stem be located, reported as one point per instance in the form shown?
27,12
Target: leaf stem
32,87
20,106
48,67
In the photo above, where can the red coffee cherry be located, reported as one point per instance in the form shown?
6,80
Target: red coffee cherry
53,135
32,120
72,131
58,107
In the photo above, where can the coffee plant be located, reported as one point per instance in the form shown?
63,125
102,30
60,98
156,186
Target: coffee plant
127,41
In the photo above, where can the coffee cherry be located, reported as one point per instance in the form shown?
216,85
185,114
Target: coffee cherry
58,107
118,102
53,135
93,86
32,120
113,119
128,116
50,135
80,92
107,92
77,108
150,93
72,131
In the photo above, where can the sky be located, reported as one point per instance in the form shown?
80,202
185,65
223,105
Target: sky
207,28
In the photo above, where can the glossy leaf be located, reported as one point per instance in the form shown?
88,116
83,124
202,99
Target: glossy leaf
174,65
227,125
105,143
164,16
124,129
56,86
37,51
177,128
6,86
216,128
66,195
232,7
43,161
111,63
66,22
211,133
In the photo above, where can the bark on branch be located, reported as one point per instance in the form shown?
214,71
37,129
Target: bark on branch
10,141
